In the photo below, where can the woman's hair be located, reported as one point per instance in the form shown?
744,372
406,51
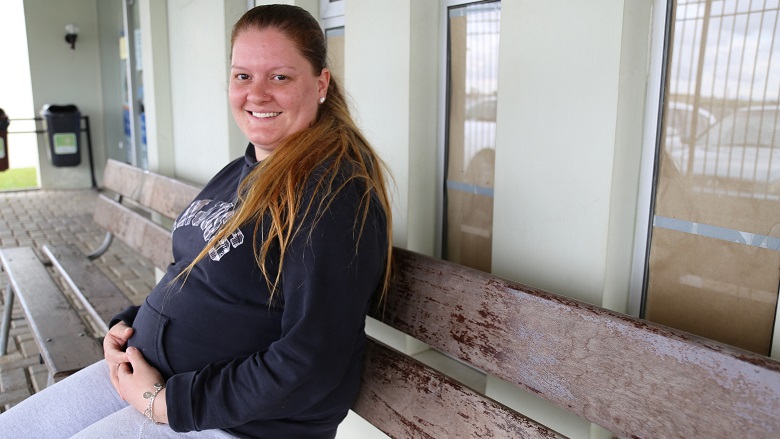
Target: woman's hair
332,151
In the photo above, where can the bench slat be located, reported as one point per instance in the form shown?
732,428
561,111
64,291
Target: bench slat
63,338
406,399
160,193
99,295
149,239
628,375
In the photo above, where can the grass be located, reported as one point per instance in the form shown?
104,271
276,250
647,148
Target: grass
18,178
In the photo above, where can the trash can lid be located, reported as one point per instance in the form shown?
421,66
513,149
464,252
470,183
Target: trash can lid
54,108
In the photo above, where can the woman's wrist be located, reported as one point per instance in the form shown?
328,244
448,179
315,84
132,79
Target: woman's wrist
160,408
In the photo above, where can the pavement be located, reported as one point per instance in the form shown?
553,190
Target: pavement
37,217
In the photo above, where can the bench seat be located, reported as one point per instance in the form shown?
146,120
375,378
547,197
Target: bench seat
97,293
63,338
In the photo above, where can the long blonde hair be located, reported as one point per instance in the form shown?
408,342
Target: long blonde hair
333,144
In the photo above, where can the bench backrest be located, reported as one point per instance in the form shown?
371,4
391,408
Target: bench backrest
156,193
630,376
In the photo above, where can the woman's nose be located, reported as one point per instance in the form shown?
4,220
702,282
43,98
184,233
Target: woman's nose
258,92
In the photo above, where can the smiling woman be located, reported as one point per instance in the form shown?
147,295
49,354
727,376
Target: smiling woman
257,328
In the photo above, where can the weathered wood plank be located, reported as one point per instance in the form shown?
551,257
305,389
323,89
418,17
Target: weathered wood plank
162,194
406,399
149,239
99,295
63,338
633,377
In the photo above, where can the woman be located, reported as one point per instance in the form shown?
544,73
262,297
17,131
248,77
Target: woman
257,328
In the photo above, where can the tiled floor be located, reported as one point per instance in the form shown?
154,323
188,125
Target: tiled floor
34,218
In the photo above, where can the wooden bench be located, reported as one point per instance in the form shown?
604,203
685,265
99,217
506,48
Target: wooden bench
66,342
632,377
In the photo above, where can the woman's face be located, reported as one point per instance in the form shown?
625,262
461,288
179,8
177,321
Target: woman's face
273,91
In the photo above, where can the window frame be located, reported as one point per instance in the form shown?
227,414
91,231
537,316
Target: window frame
651,144
331,9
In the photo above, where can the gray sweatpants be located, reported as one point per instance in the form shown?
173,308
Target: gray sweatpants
85,405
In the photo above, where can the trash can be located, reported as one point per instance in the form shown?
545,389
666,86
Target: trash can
3,140
63,133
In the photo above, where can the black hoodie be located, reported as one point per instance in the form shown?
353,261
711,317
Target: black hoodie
232,360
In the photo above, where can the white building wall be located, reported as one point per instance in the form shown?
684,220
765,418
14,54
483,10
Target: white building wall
60,75
376,50
204,134
555,143
153,16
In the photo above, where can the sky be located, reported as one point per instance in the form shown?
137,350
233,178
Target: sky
741,57
15,87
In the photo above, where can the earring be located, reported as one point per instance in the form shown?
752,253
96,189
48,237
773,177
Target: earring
322,100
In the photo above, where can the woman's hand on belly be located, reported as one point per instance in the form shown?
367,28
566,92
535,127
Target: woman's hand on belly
114,345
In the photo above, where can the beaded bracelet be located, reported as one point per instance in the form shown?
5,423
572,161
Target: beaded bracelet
149,412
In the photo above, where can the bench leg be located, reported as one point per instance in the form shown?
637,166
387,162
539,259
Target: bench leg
9,306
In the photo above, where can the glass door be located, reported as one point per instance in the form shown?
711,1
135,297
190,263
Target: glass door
133,113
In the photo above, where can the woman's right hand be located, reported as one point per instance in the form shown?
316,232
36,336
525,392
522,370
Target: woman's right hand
114,345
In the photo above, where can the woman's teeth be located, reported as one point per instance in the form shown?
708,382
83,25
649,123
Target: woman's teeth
265,115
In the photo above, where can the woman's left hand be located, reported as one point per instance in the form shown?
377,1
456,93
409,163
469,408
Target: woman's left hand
136,378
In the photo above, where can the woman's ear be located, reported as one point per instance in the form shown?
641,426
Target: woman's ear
323,81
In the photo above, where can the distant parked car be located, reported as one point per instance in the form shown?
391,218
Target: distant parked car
679,120
739,155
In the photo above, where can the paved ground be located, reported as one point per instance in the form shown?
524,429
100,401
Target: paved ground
34,218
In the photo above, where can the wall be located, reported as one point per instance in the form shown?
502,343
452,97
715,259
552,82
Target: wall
205,136
558,82
111,26
60,75
153,15
394,98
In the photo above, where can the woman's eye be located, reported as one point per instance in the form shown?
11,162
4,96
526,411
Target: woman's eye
279,77
242,76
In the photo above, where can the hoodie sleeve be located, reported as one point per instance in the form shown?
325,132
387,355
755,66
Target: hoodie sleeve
127,316
329,275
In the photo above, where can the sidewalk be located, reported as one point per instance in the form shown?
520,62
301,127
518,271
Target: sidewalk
34,218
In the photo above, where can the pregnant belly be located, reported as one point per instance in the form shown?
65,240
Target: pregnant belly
190,342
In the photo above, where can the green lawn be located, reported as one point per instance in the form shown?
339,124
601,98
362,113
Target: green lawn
19,178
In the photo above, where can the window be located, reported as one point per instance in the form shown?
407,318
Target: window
335,37
332,19
714,265
472,86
